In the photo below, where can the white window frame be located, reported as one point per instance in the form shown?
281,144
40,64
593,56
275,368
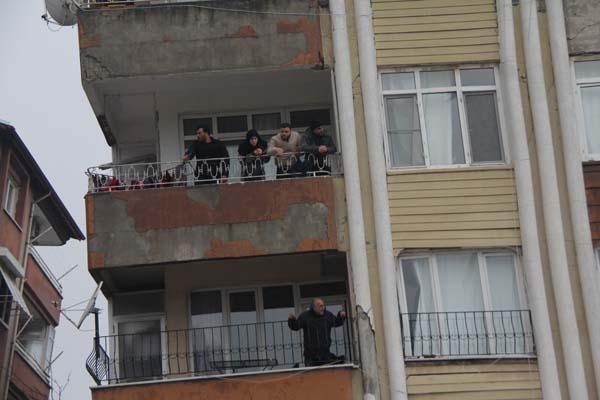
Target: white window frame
459,90
577,85
11,197
114,350
48,330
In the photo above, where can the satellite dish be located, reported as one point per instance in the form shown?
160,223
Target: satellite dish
60,11
90,307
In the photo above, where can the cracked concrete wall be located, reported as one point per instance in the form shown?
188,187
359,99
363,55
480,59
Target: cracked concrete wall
142,40
583,26
144,227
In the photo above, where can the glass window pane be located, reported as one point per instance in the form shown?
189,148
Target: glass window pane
443,129
587,69
398,81
477,77
417,285
138,303
206,302
502,282
207,334
590,97
460,284
301,119
230,124
277,297
404,131
264,122
243,330
280,342
139,349
435,79
483,127
190,124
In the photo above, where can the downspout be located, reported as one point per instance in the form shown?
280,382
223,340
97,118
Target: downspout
358,249
532,258
588,271
554,226
381,209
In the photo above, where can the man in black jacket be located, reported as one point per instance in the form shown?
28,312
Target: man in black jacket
212,165
317,143
316,324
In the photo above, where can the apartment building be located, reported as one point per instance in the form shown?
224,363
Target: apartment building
452,225
30,295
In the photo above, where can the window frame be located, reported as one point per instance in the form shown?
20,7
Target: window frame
11,196
483,275
459,90
586,155
41,365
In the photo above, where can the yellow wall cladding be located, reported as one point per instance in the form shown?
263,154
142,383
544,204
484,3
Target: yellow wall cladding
472,207
416,32
517,380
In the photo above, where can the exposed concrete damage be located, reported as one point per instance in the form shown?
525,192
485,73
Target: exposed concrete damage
184,224
194,38
583,26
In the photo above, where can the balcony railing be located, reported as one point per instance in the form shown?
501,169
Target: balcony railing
210,351
211,171
468,334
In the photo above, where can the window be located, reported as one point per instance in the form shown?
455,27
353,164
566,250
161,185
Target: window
11,199
5,301
463,303
587,75
140,345
442,118
37,338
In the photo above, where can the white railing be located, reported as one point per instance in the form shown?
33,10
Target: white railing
211,171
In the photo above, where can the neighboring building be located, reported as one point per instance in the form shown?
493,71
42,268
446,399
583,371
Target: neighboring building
456,230
30,295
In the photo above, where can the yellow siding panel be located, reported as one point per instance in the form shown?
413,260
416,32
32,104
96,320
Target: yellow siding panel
495,380
472,207
413,32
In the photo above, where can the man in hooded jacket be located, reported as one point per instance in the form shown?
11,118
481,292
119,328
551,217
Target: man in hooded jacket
254,151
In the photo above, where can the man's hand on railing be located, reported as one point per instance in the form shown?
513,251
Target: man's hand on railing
291,316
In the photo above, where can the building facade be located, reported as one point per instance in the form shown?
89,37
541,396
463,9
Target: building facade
30,295
455,225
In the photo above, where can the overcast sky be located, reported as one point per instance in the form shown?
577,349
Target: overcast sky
41,95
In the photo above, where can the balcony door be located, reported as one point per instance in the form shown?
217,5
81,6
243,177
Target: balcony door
140,347
463,304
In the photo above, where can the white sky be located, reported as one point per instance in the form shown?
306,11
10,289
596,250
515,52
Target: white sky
42,96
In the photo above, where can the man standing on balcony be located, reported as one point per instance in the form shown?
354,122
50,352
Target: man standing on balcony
316,324
316,143
284,145
212,165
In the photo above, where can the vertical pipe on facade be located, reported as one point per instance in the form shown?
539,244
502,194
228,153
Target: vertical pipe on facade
532,258
588,272
381,208
358,249
551,209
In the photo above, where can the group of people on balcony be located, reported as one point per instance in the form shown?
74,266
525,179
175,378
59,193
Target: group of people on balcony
296,154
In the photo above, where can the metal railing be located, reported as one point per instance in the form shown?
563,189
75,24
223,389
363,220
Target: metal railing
467,334
211,171
214,350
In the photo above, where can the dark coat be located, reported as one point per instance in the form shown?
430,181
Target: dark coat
316,329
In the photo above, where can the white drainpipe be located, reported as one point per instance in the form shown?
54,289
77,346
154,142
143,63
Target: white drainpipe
358,249
532,259
385,255
554,226
588,272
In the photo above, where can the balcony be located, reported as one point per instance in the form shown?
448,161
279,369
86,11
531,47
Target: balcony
155,213
468,334
216,350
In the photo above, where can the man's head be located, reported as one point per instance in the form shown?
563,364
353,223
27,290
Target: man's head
202,133
285,130
316,128
318,306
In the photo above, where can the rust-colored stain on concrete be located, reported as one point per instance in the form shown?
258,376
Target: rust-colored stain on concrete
89,216
87,41
95,260
236,248
312,33
237,203
324,384
245,31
